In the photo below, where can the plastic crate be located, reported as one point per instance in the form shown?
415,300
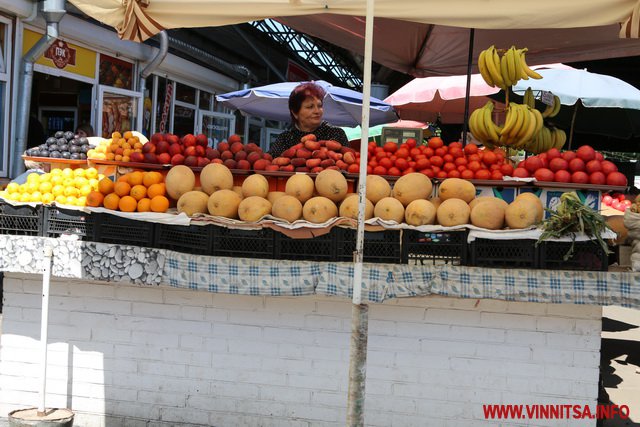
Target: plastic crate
379,246
59,221
124,231
20,220
446,247
192,239
319,248
518,253
587,255
243,243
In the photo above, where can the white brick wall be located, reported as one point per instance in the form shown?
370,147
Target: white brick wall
121,355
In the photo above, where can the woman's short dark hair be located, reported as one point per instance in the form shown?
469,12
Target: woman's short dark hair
302,92
87,128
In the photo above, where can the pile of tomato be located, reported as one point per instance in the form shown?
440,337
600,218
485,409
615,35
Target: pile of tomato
437,160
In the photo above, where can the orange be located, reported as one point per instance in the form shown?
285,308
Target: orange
156,190
105,185
95,199
138,192
151,178
122,188
116,135
159,204
144,205
111,201
128,204
127,134
110,156
124,178
135,178
118,158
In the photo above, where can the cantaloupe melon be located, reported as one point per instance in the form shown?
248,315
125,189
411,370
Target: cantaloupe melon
456,188
412,186
193,202
481,199
253,208
489,213
214,177
331,184
420,212
179,180
377,188
255,185
275,195
288,208
521,213
536,202
319,209
300,186
349,207
238,189
389,209
436,201
453,212
224,203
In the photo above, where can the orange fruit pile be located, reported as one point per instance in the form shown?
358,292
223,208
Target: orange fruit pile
118,148
133,192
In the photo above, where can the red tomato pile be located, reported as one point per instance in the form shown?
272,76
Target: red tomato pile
314,156
437,160
583,166
617,201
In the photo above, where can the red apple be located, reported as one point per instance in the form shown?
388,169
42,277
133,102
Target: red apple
234,138
190,151
243,164
240,155
261,164
202,140
175,149
254,156
202,161
150,158
157,137
553,153
162,147
236,146
164,158
212,153
533,163
223,146
177,159
136,157
189,140
200,151
191,161
171,138
230,163
225,155
149,147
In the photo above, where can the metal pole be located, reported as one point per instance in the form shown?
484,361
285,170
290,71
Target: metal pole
573,123
44,322
359,311
465,126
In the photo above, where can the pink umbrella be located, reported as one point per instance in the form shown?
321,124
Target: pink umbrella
424,98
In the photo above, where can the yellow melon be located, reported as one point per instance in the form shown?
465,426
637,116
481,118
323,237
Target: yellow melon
300,186
390,209
436,201
224,203
255,185
319,209
349,207
287,207
253,208
489,213
420,212
331,184
521,213
238,189
453,212
412,186
179,180
377,188
193,202
275,195
536,202
456,188
481,199
214,177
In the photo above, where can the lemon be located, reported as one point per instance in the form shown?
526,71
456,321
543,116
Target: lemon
85,189
56,172
70,191
57,190
71,200
67,173
33,178
69,182
22,188
61,199
36,197
91,173
78,172
81,201
31,187
3,194
93,182
47,198
12,187
45,177
80,181
14,196
25,197
45,187
57,179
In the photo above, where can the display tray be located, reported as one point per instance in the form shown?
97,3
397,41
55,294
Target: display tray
55,160
134,165
572,186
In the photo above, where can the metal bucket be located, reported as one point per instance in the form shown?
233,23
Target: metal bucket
58,417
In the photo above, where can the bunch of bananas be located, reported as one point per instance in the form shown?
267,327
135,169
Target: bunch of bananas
529,98
483,127
554,109
547,139
522,124
504,71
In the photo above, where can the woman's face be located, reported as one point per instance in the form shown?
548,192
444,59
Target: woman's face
310,115
81,133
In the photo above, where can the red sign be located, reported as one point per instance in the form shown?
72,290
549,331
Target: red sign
296,73
165,107
61,54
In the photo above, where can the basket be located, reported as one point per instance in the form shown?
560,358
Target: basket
191,239
379,246
587,255
124,231
23,220
319,248
230,242
59,221
445,247
517,253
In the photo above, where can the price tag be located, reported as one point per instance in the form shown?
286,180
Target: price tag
546,97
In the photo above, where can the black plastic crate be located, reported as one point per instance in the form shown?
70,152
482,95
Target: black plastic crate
20,220
517,253
445,247
243,243
587,255
191,239
59,221
124,231
319,248
379,246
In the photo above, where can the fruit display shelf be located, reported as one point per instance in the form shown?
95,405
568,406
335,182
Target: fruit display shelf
56,163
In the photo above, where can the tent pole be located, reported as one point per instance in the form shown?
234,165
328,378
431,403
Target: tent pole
465,126
573,122
360,311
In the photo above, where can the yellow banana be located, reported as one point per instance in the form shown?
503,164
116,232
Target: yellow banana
509,121
484,72
511,65
493,64
529,98
474,125
504,70
556,106
549,109
489,126
539,121
528,71
530,130
520,52
515,130
561,139
516,63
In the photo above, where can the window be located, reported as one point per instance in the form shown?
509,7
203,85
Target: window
5,68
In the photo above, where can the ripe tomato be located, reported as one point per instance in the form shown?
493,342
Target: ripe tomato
437,161
414,152
470,149
440,151
456,151
449,167
429,152
411,142
489,158
402,164
402,153
461,161
448,158
473,166
408,171
390,147
496,175
380,170
441,174
453,174
428,172
353,168
482,174
422,164
506,169
435,142
385,162
394,171
461,168
466,174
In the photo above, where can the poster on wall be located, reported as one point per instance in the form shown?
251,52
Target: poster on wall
115,72
118,113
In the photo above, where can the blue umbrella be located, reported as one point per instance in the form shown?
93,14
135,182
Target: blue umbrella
342,107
